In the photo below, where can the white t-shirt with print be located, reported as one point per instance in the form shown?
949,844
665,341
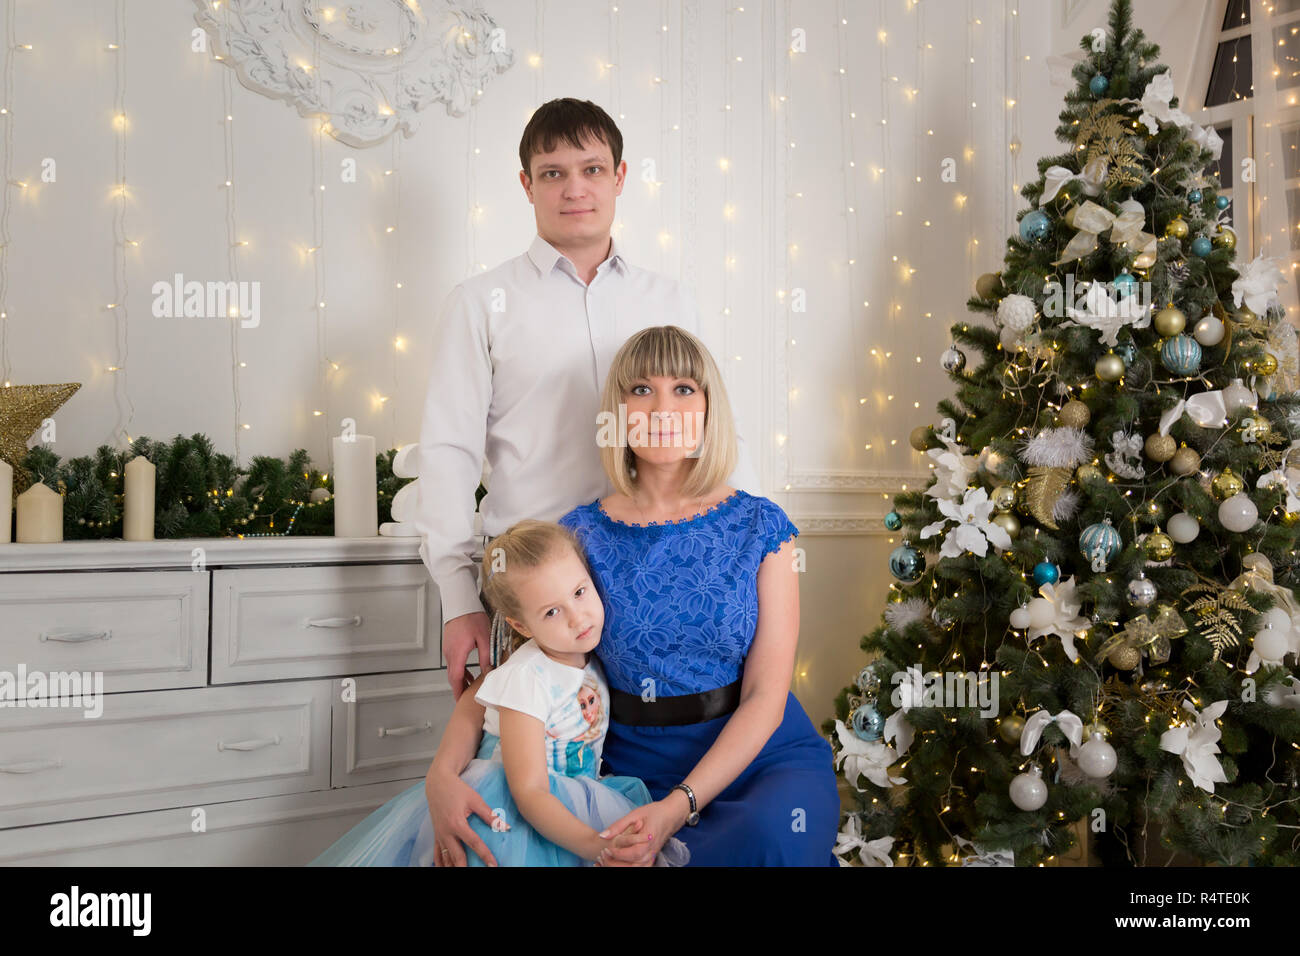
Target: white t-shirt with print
571,702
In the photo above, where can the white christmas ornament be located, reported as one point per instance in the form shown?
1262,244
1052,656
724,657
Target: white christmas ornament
1028,791
1183,528
1108,315
1017,312
1272,644
1208,331
1020,618
1197,743
1097,758
1238,513
974,531
1237,397
1066,621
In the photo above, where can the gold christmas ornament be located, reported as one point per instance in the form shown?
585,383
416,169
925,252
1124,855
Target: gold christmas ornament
1266,364
1169,322
1125,657
1177,228
1073,414
1290,517
1044,487
1185,461
1110,367
1004,498
920,437
1225,238
1226,484
1256,428
1010,728
1159,546
22,409
987,285
1088,473
1008,522
1160,447
1245,316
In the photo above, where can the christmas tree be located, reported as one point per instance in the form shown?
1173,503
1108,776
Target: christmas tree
1107,633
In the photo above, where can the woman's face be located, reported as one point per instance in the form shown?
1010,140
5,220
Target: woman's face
665,418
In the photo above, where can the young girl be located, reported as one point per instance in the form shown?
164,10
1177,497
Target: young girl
543,729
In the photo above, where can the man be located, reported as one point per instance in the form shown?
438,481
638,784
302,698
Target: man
520,358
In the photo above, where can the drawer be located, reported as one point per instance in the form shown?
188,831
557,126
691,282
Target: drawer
159,749
286,830
391,727
323,621
144,630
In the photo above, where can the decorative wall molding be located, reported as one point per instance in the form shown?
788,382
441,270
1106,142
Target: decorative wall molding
865,516
862,482
369,67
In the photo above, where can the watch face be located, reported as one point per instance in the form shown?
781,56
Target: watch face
693,819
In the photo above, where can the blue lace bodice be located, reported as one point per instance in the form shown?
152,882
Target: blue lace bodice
681,598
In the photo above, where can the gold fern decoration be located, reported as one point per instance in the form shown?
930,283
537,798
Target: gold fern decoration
1215,612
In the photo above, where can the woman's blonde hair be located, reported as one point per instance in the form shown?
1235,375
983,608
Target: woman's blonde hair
523,546
670,351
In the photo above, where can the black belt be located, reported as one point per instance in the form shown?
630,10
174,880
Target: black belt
673,711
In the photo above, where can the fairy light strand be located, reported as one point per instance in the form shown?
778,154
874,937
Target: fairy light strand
7,118
121,435
232,234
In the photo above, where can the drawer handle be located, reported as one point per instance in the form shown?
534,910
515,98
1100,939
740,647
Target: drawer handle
255,744
404,731
75,637
30,766
354,621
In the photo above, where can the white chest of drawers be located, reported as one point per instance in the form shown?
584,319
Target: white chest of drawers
260,696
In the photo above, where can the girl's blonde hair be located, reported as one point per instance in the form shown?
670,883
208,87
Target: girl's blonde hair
523,546
671,351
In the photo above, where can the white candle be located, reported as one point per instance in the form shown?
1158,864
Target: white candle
40,515
138,509
356,504
6,500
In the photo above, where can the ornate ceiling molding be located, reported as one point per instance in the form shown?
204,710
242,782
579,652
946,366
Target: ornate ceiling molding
369,67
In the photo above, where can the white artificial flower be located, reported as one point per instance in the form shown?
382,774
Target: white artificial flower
865,758
1290,478
1258,284
1108,315
974,531
952,469
1155,104
1206,137
1197,744
1067,622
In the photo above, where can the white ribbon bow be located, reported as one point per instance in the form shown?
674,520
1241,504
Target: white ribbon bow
1093,178
1066,722
1090,220
1197,744
1204,408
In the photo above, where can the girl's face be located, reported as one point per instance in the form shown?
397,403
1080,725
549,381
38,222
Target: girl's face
562,611
665,418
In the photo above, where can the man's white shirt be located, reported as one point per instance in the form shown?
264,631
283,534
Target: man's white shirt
520,356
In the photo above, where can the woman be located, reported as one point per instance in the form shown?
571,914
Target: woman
701,625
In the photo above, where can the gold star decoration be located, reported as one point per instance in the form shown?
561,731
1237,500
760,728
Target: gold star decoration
22,409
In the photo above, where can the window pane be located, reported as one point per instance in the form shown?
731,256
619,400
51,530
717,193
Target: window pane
1290,135
1230,78
1293,216
1286,55
1285,6
1237,14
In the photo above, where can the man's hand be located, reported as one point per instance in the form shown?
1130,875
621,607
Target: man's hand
461,635
451,801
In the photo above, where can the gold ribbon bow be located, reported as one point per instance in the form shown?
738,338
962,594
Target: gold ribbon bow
1091,220
1147,636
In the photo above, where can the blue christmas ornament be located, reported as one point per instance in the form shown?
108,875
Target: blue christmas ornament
867,723
906,563
1221,202
893,521
1127,351
1181,355
1034,226
1201,246
1194,196
1103,536
1124,284
1045,572
1098,85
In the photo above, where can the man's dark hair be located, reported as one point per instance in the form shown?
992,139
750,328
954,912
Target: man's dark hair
570,121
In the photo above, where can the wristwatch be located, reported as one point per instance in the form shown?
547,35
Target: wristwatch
693,817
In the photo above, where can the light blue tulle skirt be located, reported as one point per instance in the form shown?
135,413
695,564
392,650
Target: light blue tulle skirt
400,833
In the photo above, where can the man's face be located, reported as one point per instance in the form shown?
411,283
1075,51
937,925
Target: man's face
572,192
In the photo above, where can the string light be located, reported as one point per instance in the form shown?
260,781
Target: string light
6,118
121,396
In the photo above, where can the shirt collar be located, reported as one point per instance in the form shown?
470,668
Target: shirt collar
545,256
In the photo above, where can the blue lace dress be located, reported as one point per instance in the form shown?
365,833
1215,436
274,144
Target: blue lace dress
681,610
